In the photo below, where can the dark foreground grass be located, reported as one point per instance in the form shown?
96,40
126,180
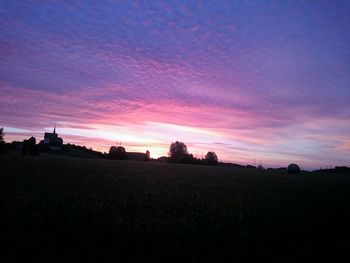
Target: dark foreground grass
54,209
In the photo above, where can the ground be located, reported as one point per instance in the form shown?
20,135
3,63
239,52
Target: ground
56,208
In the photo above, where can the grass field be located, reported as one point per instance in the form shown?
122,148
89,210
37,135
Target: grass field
55,208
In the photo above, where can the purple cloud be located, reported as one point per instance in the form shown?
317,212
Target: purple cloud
261,80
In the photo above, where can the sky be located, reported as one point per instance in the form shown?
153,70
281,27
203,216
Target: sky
254,81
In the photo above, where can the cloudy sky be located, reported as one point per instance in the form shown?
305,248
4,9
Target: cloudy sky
251,80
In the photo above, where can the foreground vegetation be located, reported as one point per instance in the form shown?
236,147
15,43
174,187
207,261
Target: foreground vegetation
56,208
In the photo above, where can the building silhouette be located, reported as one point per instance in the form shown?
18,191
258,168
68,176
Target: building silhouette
52,140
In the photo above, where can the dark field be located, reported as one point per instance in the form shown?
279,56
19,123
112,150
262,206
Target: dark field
55,208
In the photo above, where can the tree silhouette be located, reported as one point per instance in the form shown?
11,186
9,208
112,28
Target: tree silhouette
2,141
2,135
211,158
29,147
117,153
177,151
147,156
293,169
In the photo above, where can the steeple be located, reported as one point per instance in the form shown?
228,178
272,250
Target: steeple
54,129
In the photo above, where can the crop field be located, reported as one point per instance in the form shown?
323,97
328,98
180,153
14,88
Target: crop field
55,208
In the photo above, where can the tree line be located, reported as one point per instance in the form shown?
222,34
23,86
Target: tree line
178,152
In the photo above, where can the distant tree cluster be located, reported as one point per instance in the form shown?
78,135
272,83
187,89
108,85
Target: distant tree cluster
336,170
178,153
